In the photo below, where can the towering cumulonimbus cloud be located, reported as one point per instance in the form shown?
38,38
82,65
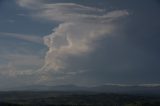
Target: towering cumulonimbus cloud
80,27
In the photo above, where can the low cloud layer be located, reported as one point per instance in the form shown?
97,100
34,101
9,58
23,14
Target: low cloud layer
80,27
18,64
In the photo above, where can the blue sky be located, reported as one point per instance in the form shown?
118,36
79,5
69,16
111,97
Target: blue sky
83,42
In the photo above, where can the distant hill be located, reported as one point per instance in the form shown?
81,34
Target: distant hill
133,89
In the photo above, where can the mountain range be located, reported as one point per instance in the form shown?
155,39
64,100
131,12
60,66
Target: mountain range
109,88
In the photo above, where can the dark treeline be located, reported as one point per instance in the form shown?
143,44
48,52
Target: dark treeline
23,99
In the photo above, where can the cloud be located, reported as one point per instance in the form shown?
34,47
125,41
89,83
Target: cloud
30,4
78,32
16,59
30,38
71,12
79,29
20,64
134,85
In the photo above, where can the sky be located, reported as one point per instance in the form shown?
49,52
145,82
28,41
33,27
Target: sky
81,42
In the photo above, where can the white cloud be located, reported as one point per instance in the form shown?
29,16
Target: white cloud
30,38
80,27
71,12
72,39
20,64
17,60
11,21
30,4
78,32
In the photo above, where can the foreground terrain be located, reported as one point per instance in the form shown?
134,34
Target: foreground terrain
75,99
